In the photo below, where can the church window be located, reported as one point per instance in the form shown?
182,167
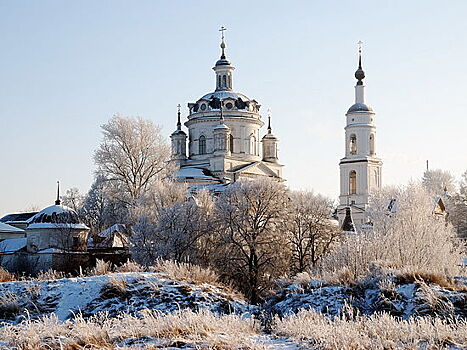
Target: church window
375,174
372,144
218,81
224,81
229,105
231,143
353,182
252,145
230,81
203,106
353,144
202,145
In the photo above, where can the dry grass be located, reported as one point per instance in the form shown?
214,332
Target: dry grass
8,305
428,278
6,276
379,331
186,272
102,268
201,329
115,287
130,266
50,275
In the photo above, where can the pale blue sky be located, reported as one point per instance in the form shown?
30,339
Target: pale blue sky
67,66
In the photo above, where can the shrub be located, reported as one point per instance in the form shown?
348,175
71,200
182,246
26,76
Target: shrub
8,305
130,266
185,272
50,275
115,287
379,331
102,268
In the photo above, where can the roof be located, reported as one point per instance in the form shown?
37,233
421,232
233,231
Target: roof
359,107
222,94
195,173
56,216
14,217
5,228
13,245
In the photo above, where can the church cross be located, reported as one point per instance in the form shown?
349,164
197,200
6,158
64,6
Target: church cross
222,30
360,46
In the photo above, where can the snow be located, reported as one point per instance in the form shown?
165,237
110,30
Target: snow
120,228
12,245
193,172
57,209
5,228
145,290
51,225
50,251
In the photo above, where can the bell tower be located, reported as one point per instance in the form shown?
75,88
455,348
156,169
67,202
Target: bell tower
360,169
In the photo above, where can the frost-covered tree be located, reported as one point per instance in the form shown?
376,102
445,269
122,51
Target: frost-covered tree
310,230
253,251
437,182
132,155
409,237
73,199
100,209
147,213
457,208
184,228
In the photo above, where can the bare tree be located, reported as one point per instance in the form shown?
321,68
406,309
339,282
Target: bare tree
132,155
253,251
310,230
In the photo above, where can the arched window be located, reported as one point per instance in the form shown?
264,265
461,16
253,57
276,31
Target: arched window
224,81
376,179
353,182
219,81
252,144
372,144
231,143
202,145
353,144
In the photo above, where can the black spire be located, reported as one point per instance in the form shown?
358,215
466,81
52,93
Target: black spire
57,201
179,124
360,74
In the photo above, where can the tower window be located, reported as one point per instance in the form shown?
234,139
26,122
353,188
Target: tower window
372,144
353,144
202,145
353,182
224,81
231,143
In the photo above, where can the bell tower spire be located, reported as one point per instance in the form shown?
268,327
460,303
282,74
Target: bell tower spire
360,169
57,201
223,67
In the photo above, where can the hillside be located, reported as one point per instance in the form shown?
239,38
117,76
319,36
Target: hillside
148,310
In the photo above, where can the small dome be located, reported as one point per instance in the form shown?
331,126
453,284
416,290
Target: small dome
222,95
179,132
359,107
56,216
223,62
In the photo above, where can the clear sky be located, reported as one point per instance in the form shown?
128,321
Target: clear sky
67,66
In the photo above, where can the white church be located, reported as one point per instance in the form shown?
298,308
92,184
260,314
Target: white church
224,136
225,143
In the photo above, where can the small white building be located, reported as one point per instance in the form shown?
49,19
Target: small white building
224,137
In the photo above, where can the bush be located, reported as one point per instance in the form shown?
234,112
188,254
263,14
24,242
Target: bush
379,331
102,268
6,276
185,272
130,266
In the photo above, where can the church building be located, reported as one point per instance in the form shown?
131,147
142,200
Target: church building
224,136
360,169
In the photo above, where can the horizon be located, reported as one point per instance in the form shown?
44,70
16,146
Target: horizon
66,68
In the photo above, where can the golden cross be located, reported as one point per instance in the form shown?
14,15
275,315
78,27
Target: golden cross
360,46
